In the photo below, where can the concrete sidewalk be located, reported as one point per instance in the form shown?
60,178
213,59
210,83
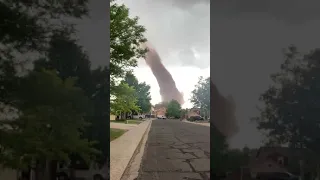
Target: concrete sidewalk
122,126
123,148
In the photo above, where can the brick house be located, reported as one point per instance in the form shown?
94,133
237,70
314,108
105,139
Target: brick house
193,112
161,111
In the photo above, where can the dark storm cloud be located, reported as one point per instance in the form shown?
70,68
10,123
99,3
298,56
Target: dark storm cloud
247,42
93,33
174,26
289,11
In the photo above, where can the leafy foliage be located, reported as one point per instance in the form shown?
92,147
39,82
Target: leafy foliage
126,37
67,58
27,27
290,114
201,94
142,92
50,122
125,100
173,109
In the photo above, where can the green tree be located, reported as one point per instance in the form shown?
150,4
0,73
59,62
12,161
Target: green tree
70,60
124,100
142,92
126,37
290,113
24,31
173,109
50,123
201,94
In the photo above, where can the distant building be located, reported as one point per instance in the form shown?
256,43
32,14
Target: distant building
193,112
160,111
112,117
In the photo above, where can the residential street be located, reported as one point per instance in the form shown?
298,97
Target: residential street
176,150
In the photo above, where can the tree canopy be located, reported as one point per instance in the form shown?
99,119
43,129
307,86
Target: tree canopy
26,27
201,94
126,37
50,123
173,109
290,112
142,92
124,100
30,27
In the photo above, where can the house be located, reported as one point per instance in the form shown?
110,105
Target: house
193,112
283,159
161,111
112,117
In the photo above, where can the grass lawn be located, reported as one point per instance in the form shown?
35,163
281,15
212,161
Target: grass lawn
115,133
129,121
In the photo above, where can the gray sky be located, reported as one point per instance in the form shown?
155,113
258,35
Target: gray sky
179,30
247,39
93,33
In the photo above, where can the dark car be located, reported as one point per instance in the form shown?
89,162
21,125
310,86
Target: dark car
196,118
277,176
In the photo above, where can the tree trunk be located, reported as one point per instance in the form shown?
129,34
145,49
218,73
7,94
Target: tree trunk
72,173
47,171
302,170
53,170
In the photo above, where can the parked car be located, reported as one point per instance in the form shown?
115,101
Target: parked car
276,176
196,118
94,172
161,117
141,116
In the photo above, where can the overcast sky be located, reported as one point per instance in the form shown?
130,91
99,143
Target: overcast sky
247,39
180,32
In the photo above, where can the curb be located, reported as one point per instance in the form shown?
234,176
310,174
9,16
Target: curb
132,171
123,149
202,124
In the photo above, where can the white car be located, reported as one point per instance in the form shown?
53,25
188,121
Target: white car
93,173
141,116
161,117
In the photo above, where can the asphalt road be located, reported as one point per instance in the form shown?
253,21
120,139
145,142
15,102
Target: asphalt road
176,151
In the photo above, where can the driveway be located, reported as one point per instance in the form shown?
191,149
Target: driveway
176,150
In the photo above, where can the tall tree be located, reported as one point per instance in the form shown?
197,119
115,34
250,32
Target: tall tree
70,60
126,37
50,123
26,27
291,106
173,109
201,94
142,92
124,100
